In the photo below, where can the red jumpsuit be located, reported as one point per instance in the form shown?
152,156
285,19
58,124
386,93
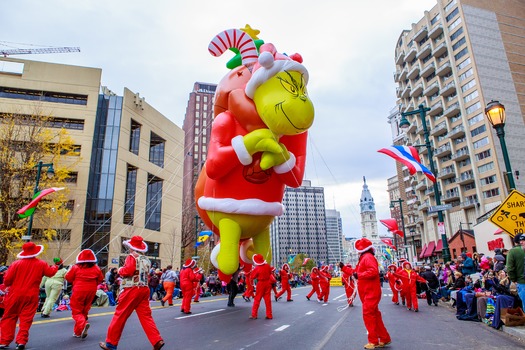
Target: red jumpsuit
187,280
402,291
409,279
131,299
314,278
23,280
85,280
349,283
285,285
248,293
262,273
395,286
369,289
324,282
197,285
273,282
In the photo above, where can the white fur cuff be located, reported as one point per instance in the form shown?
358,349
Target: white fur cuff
240,149
286,166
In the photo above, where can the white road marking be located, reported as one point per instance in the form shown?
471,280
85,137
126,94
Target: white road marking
340,296
202,313
282,328
310,312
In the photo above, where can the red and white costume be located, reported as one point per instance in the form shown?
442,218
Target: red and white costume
249,292
187,285
324,281
198,289
134,296
394,282
400,284
369,288
262,273
85,276
273,281
409,278
285,283
22,281
314,280
349,283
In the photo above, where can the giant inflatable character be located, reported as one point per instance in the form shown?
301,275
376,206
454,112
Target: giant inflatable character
257,147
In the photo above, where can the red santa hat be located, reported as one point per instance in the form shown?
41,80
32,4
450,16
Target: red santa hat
315,268
391,265
136,243
324,268
86,256
30,250
258,259
364,244
286,267
197,269
270,63
190,263
405,263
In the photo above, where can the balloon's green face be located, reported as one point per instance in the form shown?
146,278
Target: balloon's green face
284,105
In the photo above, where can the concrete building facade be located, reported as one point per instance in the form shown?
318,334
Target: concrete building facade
461,55
128,177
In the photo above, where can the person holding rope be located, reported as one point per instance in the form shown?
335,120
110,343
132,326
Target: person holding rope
134,296
314,279
324,281
285,283
394,282
369,288
85,276
348,282
432,293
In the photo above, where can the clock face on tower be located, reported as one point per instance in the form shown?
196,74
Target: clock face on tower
369,207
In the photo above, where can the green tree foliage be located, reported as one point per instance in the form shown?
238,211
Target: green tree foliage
24,141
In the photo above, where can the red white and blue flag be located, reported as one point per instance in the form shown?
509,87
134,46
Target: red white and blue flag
408,156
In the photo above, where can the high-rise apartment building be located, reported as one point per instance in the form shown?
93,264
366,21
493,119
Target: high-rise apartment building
302,227
334,236
127,177
461,55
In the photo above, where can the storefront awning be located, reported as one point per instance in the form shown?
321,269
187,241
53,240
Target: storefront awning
439,246
422,254
430,249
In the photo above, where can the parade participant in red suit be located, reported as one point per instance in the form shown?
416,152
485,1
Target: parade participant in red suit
22,281
248,293
187,280
314,279
409,278
273,281
400,284
369,288
85,276
285,283
324,281
198,288
394,282
134,296
348,282
262,273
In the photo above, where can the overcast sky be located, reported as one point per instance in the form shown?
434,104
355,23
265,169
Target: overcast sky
159,49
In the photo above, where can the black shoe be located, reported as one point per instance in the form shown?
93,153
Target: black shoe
2,346
416,310
269,318
289,300
195,301
188,313
85,331
276,299
21,346
307,297
162,302
44,316
159,345
396,303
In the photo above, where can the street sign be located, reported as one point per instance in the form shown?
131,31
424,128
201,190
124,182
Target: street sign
510,215
441,207
26,238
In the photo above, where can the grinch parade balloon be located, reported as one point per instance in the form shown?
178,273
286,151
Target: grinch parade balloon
257,146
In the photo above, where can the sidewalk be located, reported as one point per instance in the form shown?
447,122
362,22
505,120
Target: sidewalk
517,332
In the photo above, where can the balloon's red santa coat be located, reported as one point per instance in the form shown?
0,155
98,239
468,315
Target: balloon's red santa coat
369,288
134,296
23,281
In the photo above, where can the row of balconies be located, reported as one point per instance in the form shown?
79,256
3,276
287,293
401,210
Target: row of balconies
425,49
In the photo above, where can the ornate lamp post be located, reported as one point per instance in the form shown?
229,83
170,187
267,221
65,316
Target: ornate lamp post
496,115
50,173
404,124
197,218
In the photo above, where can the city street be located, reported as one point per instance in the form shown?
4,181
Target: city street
300,324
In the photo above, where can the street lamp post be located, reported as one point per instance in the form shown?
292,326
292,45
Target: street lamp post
50,173
400,202
403,124
412,234
197,231
496,115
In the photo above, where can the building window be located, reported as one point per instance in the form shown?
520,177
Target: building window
435,19
461,54
473,108
134,137
464,64
45,96
488,180
491,193
153,202
485,167
475,119
468,85
131,188
450,5
452,14
72,177
479,130
456,34
471,96
156,150
456,23
480,143
457,45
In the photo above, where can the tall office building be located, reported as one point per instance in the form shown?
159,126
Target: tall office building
302,227
127,174
461,55
197,130
334,236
